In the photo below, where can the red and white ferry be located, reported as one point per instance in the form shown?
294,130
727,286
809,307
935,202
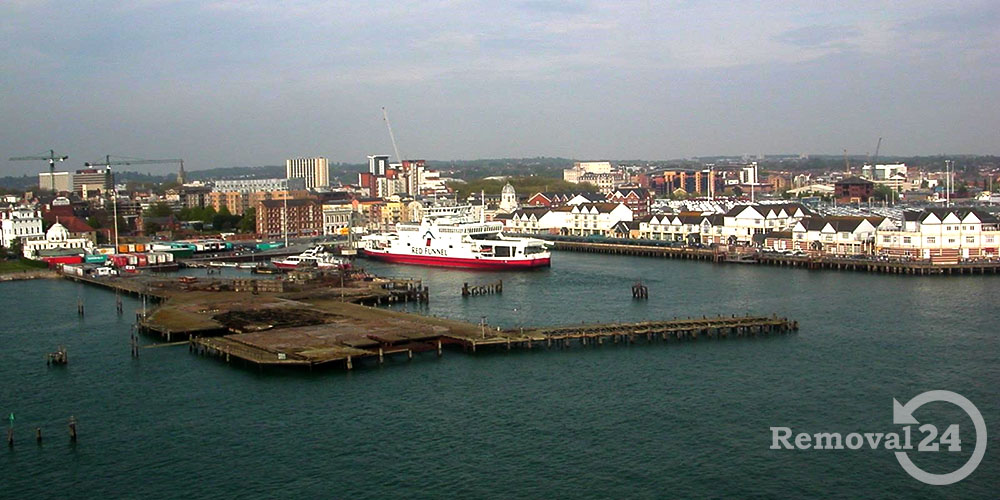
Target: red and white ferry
450,237
314,257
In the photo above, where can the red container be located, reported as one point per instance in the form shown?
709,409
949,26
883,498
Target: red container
143,261
71,259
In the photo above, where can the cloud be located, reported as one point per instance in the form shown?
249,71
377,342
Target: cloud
818,36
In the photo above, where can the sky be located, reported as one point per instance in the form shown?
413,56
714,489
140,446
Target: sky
244,82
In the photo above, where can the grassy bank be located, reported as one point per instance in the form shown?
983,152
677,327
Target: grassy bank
21,265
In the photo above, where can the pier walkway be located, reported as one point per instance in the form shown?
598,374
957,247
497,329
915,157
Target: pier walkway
309,348
745,255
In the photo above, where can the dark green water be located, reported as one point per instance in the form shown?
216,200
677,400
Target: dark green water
644,421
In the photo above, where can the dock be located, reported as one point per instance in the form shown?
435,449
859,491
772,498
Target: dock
356,341
325,319
744,255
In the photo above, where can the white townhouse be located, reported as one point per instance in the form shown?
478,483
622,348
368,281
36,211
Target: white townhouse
742,222
19,223
597,218
688,227
842,235
943,235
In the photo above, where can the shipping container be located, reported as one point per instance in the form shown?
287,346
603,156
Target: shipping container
122,248
142,260
95,259
139,247
69,259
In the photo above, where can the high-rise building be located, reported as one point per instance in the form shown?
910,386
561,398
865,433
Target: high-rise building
377,164
315,171
92,179
63,181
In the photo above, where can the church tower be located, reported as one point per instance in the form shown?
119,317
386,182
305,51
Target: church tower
181,176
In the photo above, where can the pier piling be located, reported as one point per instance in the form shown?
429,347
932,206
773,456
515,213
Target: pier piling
72,429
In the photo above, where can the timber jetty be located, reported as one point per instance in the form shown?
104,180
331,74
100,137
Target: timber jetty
404,334
744,255
332,319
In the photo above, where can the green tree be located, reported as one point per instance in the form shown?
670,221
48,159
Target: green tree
248,223
884,193
224,220
158,210
94,222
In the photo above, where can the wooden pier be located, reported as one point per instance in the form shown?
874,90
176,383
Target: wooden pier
870,264
311,348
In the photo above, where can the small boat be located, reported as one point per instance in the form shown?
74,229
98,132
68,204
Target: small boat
314,257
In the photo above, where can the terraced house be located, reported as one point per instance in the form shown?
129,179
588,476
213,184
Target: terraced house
943,235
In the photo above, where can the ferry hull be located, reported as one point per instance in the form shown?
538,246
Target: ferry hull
426,260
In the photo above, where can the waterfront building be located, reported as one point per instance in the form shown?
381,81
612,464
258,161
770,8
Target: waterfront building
57,242
63,181
597,218
19,223
942,235
296,217
840,235
88,180
314,171
681,227
742,222
535,220
337,218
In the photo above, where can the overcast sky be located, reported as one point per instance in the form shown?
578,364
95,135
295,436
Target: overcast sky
243,82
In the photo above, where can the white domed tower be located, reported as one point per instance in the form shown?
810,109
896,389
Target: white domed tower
508,199
57,232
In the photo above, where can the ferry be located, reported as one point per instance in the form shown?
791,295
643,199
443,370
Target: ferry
451,237
314,257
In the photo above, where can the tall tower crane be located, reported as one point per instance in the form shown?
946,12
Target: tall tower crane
52,159
107,162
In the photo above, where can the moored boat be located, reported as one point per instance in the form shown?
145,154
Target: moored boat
450,237
313,257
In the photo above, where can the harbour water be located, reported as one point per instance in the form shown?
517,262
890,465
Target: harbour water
681,420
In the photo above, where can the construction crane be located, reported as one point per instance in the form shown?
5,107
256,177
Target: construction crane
52,158
107,162
385,116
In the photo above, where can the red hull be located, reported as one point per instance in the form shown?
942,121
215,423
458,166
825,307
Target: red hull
425,260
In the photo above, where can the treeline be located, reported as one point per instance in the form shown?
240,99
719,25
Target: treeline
527,185
203,217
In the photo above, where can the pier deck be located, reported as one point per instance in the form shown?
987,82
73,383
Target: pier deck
366,333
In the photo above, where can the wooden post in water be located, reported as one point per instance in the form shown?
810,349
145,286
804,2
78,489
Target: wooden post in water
10,437
72,429
38,435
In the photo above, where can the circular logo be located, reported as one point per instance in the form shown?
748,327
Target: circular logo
903,415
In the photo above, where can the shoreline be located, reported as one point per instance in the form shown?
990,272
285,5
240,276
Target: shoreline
29,275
